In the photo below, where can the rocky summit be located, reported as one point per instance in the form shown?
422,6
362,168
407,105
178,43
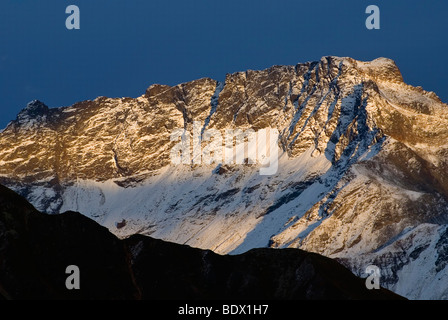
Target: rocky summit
362,167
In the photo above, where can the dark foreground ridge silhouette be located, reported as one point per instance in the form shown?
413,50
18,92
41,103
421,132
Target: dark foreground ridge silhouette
36,248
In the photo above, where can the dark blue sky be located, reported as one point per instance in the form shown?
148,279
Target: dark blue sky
125,46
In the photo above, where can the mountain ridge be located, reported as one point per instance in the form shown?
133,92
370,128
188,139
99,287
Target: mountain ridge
362,162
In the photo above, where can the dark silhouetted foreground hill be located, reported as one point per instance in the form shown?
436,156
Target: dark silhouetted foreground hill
36,248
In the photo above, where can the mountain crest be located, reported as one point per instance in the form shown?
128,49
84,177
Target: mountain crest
361,168
34,110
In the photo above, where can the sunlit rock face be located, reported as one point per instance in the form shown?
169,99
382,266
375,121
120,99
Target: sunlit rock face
362,167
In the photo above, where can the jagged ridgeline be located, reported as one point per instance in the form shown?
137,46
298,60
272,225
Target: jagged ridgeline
361,171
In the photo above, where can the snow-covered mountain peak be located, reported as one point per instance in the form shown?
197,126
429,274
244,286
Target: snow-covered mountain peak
362,162
34,111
